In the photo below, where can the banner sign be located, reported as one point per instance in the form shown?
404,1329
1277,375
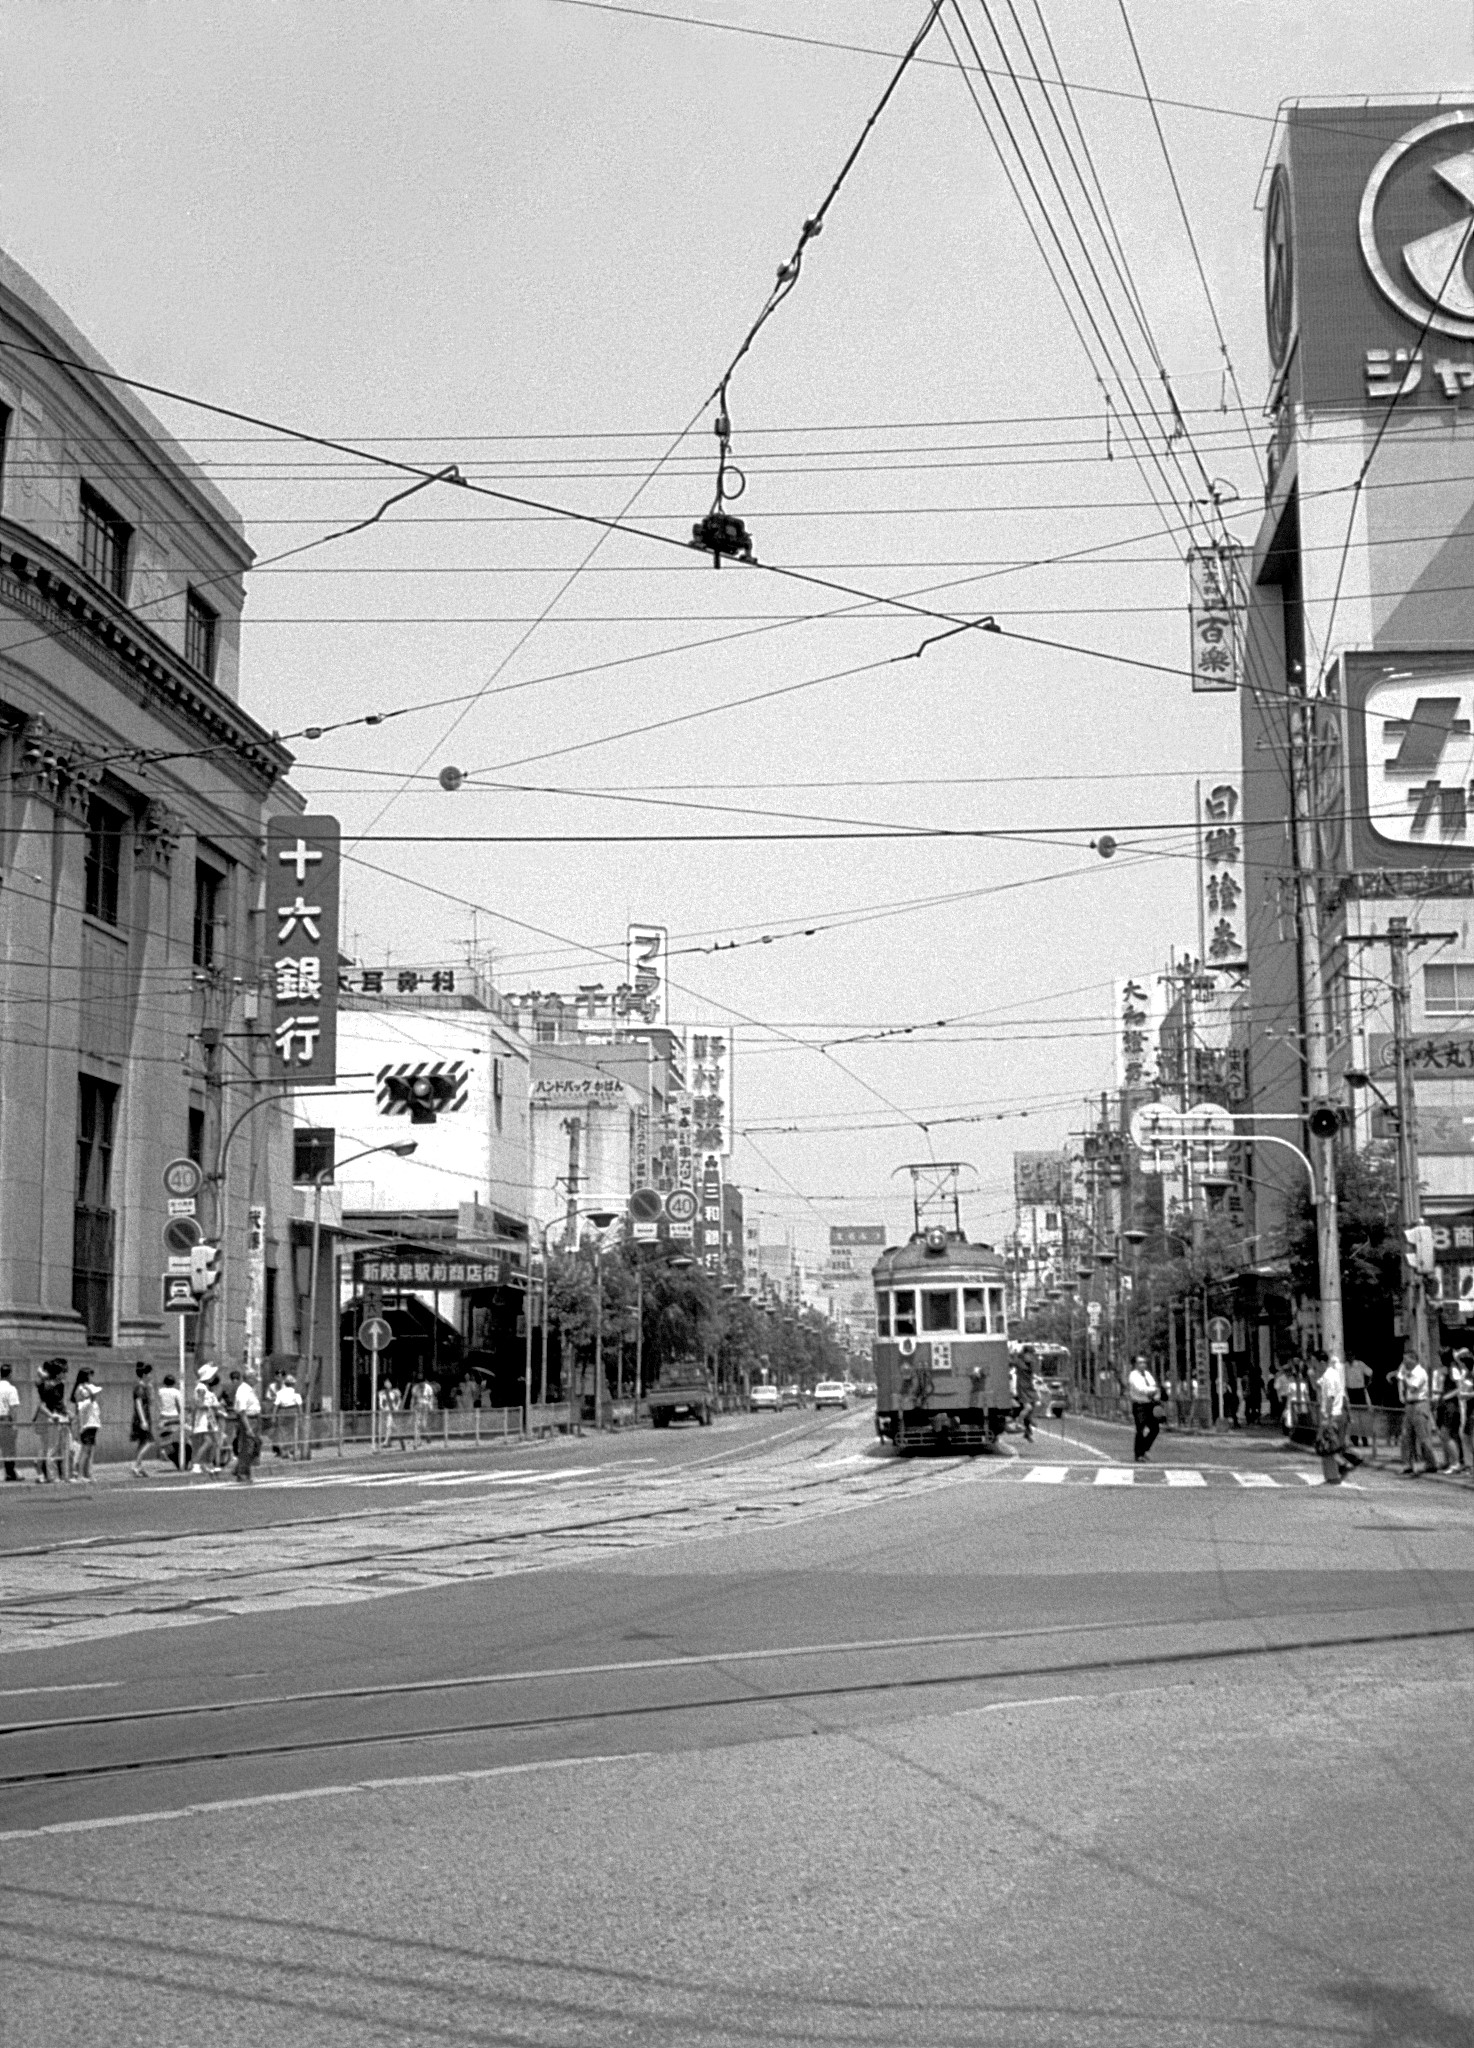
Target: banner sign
1216,617
589,1090
302,930
856,1233
416,1269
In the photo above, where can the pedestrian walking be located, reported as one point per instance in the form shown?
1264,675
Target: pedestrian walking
86,1406
287,1416
51,1421
1459,1397
390,1407
1023,1385
206,1430
171,1422
1231,1399
1335,1420
1417,1422
246,1405
141,1425
1447,1416
1145,1393
9,1421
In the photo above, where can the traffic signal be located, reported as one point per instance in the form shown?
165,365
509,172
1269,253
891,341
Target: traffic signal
1419,1253
423,1095
1324,1118
204,1268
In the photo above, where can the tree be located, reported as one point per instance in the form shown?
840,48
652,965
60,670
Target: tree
1371,1251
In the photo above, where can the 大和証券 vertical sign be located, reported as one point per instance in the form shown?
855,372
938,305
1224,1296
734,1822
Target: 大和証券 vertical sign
302,949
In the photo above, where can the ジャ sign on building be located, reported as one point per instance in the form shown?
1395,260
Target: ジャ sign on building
302,933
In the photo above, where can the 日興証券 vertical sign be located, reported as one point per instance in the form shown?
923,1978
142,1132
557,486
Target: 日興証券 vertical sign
302,949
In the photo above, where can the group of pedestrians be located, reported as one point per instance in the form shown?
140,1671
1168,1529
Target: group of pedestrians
1437,1414
224,1427
66,1423
419,1405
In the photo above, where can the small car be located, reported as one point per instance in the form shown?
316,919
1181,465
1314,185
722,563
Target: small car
762,1398
791,1397
831,1394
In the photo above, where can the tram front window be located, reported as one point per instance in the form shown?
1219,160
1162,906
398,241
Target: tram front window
882,1315
938,1309
974,1312
904,1308
996,1319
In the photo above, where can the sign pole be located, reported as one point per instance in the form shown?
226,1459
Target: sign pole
183,1406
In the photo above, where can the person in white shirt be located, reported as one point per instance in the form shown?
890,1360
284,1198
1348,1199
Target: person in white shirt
9,1421
206,1427
1335,1414
1144,1391
287,1418
171,1421
247,1405
87,1416
1417,1420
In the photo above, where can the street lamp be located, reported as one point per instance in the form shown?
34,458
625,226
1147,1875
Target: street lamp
402,1150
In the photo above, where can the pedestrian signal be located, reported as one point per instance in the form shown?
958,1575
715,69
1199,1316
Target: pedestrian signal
204,1268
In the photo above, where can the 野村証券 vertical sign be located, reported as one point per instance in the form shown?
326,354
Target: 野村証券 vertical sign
302,949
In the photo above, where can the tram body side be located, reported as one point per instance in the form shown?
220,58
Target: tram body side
941,1348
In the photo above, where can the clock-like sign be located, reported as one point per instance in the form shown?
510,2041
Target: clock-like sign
1279,270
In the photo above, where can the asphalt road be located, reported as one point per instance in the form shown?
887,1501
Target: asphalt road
748,1735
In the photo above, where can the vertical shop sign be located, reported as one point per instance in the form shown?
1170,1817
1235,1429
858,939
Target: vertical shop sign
646,951
1221,878
302,935
1216,617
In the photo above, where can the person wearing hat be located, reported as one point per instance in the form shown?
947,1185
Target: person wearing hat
205,1425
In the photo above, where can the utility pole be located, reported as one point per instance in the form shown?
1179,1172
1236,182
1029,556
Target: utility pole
1322,1149
1415,1320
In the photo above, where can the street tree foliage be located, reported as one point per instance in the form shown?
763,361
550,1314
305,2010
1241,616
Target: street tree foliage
685,1316
1371,1250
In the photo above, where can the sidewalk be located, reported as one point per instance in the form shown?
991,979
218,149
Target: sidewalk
1265,1439
328,1456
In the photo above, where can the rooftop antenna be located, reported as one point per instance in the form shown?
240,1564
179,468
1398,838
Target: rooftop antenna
935,1187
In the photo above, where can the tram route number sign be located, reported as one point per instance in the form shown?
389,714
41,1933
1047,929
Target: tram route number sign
374,1334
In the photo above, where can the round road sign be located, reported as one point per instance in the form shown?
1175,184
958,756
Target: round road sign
1220,1332
374,1334
646,1205
182,1233
182,1177
681,1205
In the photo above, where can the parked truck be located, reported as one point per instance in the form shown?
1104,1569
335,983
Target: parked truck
685,1388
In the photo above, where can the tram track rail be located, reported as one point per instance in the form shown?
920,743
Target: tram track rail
912,1683
72,1546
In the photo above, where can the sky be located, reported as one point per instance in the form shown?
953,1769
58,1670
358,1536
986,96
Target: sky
527,237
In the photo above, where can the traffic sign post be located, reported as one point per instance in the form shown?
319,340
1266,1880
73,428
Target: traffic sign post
183,1179
375,1335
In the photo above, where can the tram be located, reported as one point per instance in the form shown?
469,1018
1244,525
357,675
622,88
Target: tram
941,1336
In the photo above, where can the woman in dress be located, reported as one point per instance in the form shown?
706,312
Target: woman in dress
86,1406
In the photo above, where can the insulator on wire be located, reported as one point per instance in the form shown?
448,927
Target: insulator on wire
722,533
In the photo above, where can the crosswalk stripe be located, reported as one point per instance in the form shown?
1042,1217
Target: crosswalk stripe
1183,1478
1046,1475
1115,1475
1256,1479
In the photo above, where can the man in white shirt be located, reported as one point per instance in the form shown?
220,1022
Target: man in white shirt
1142,1386
1335,1415
9,1420
247,1404
1417,1418
287,1418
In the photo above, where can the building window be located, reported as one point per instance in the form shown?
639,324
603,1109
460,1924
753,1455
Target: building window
206,914
92,1229
102,862
199,634
312,1155
547,1031
1447,990
196,1140
105,538
5,419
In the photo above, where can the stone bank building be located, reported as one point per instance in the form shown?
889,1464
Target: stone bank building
133,795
